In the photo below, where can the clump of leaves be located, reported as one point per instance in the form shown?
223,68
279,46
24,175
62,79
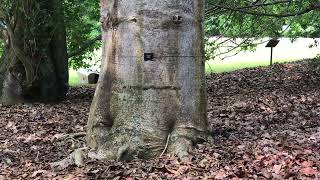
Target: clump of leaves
315,63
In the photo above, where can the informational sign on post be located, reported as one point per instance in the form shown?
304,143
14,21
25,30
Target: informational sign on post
271,44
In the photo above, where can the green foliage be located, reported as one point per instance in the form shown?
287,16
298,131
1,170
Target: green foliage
315,63
82,24
228,19
35,16
305,26
251,20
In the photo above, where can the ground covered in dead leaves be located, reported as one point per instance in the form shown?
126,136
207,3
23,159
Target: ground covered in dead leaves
265,124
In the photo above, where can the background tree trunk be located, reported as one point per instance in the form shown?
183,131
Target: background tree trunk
34,64
142,104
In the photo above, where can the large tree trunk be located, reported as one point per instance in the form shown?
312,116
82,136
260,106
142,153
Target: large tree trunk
34,64
142,103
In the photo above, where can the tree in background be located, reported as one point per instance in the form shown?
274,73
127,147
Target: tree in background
46,27
33,65
151,91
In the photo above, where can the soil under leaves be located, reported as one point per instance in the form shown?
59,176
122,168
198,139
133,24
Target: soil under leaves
265,124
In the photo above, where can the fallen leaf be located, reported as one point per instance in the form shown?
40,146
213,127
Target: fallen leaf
277,169
221,175
306,164
36,173
308,171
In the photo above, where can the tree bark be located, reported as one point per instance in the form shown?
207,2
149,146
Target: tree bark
142,103
34,64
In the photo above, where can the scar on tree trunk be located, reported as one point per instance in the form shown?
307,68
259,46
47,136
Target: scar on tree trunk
151,95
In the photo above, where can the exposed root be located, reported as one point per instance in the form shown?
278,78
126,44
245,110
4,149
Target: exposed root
70,136
181,147
114,153
128,148
76,158
122,152
97,155
183,139
166,147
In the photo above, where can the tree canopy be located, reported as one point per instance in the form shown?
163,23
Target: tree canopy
252,20
248,19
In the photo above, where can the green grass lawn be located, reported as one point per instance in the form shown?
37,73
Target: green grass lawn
286,51
73,78
214,66
217,66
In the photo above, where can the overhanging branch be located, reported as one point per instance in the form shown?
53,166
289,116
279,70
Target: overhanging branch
215,7
244,11
84,47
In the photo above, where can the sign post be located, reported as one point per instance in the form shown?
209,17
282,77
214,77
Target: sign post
271,44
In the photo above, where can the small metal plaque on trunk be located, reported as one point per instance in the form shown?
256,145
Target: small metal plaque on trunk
148,56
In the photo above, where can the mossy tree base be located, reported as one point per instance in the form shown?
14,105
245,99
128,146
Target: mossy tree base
128,144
